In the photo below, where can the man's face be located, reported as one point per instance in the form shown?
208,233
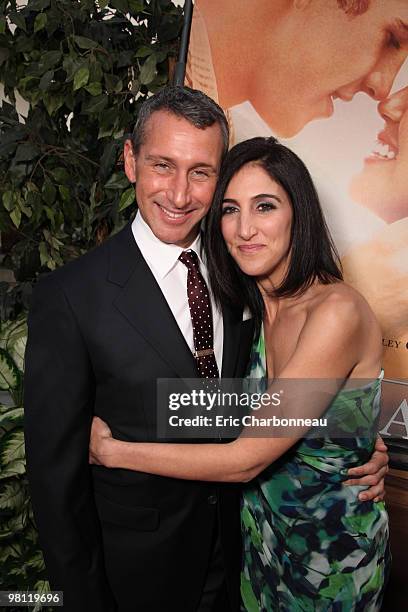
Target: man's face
334,55
176,170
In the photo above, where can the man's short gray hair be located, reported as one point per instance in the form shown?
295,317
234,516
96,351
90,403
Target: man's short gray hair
186,103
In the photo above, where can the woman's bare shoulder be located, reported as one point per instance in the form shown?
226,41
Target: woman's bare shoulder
340,296
339,309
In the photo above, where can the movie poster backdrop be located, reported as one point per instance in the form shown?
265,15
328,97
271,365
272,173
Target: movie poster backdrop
329,80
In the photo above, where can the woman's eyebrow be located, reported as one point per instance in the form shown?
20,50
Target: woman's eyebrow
267,195
258,196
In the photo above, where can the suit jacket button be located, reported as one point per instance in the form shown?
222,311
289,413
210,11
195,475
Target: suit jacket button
212,499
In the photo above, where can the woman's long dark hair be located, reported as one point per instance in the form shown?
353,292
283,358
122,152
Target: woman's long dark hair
312,252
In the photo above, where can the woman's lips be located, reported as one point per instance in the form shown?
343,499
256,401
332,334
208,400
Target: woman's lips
386,146
383,151
250,248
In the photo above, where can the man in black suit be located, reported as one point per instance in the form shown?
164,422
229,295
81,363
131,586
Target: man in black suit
102,330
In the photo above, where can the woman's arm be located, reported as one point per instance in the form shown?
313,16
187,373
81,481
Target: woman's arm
328,348
232,462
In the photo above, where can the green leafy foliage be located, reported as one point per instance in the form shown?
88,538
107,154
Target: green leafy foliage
84,68
21,560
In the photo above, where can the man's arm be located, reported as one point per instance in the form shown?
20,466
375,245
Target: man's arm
59,396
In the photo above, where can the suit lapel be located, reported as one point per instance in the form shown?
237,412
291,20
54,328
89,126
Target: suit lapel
143,305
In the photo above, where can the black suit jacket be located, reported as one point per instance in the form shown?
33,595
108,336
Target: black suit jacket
100,334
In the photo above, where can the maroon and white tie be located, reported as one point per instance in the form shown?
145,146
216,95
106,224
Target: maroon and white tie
201,316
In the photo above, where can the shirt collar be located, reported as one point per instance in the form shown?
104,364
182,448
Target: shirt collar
160,256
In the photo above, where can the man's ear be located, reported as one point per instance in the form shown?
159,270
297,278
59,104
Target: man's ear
130,161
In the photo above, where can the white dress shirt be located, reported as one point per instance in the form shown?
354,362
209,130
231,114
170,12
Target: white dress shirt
171,276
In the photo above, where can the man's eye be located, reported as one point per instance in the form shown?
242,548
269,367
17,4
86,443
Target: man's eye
265,206
161,166
200,174
229,210
393,41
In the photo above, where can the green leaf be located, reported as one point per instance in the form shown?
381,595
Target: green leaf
2,25
44,254
13,448
49,60
38,5
136,6
50,214
117,181
95,105
15,216
95,71
148,71
103,4
60,174
26,152
16,345
8,200
127,198
9,552
48,192
9,114
13,416
26,210
26,82
18,20
53,102
9,374
85,43
81,78
125,58
9,330
16,468
37,561
105,131
52,240
143,51
95,89
12,497
13,526
46,79
71,65
64,192
108,160
40,22
110,81
160,56
118,87
120,5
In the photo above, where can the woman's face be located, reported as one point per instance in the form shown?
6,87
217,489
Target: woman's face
331,55
382,185
256,223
